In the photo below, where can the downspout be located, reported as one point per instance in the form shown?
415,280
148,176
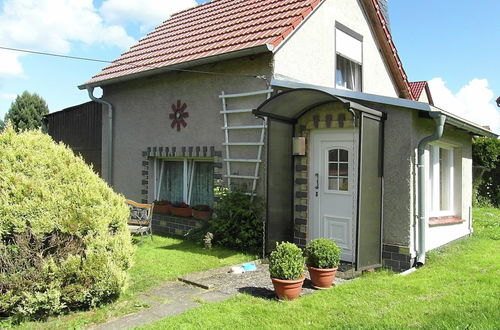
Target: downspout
90,90
438,132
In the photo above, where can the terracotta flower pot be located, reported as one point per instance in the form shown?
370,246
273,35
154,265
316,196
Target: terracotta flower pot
287,289
162,209
201,215
181,211
322,278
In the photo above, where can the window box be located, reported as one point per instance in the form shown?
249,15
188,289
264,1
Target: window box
181,211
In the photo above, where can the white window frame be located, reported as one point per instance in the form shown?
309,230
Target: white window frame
434,180
349,46
188,175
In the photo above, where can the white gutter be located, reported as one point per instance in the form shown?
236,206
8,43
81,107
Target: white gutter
90,90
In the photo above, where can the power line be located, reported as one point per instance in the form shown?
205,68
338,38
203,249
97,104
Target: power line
128,64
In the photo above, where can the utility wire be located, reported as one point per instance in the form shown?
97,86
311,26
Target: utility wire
129,64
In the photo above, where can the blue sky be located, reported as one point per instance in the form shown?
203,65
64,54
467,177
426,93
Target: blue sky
451,43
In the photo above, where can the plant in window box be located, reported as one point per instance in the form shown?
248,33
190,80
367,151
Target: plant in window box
162,206
286,266
322,260
181,209
202,212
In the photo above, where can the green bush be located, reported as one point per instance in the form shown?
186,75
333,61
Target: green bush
286,262
237,222
486,161
64,242
322,253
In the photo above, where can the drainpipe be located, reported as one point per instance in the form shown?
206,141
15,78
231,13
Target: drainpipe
90,90
438,132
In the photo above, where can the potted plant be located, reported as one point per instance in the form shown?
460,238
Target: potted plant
322,260
286,267
162,206
181,209
202,212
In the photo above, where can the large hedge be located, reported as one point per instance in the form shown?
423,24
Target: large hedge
64,242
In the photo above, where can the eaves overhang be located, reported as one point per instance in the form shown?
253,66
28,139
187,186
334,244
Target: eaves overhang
266,48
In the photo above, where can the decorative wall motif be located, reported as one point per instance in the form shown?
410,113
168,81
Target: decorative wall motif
178,115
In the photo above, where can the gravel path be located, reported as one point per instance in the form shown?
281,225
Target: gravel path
257,283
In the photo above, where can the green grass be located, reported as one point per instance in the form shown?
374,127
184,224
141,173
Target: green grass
458,288
155,262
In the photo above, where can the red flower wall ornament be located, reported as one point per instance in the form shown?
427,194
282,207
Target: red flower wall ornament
178,115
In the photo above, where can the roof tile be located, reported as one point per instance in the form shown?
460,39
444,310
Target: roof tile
214,28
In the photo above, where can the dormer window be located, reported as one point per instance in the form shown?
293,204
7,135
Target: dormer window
349,58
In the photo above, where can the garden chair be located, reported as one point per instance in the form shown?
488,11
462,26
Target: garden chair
140,219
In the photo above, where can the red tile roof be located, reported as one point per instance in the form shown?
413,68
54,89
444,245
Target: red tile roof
216,27
224,26
416,88
389,49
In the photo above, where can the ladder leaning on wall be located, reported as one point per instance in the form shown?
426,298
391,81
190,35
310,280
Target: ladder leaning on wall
228,143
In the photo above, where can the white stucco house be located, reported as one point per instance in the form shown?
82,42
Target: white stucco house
304,102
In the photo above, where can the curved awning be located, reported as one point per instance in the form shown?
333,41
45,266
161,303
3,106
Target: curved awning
289,105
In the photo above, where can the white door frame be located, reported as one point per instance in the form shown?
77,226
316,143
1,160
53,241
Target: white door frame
342,136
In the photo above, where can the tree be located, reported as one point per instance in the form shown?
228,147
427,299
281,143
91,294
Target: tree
27,111
1,125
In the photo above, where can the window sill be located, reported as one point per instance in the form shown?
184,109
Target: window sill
442,221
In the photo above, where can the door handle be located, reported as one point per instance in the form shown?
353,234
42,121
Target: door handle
317,181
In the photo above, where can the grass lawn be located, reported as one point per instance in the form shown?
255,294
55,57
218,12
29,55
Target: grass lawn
459,288
164,259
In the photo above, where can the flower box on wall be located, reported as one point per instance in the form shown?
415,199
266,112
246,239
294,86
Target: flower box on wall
181,210
202,212
162,207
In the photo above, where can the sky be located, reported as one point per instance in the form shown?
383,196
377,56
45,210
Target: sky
453,44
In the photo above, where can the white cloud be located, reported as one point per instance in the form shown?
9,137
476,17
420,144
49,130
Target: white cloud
8,97
52,25
9,64
474,101
148,13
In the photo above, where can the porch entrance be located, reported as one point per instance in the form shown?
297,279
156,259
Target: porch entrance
332,187
348,164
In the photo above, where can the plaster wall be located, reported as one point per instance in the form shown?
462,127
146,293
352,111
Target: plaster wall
461,142
398,184
142,108
309,54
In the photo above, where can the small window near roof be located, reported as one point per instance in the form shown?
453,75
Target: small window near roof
349,58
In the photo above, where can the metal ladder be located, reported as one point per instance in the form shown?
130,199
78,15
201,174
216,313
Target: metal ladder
228,144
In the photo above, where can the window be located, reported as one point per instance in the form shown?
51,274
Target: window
348,45
338,170
441,184
185,180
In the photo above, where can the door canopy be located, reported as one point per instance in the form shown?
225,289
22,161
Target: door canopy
289,105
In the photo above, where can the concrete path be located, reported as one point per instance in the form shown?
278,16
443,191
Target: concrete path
170,299
210,286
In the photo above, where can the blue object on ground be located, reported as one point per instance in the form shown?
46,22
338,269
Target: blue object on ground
249,267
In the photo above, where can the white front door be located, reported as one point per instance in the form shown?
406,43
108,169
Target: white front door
332,187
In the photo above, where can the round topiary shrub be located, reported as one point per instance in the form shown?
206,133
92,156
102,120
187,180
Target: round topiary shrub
64,242
286,262
322,253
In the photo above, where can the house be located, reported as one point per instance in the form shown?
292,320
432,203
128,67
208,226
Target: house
421,92
304,102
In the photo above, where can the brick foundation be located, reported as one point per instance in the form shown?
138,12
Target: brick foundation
396,258
170,225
